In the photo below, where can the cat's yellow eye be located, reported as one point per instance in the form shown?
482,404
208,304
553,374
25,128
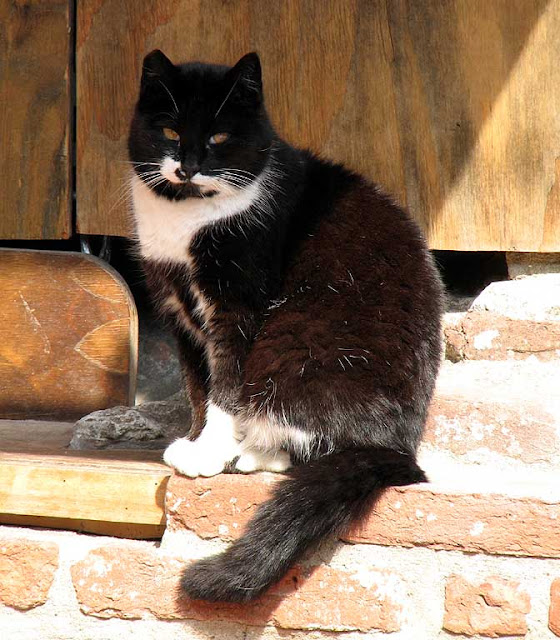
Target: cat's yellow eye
170,134
218,138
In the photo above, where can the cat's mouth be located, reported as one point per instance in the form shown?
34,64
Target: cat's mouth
188,189
197,186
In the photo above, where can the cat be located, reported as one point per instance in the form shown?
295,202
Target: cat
306,305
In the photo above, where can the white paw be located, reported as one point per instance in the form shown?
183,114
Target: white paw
195,458
210,452
263,461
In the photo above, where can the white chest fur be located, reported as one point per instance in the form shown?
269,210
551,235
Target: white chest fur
166,228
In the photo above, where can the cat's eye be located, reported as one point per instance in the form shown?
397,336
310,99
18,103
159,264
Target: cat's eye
170,134
218,138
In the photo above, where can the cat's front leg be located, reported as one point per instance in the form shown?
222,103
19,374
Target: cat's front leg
196,375
217,443
220,441
211,442
256,460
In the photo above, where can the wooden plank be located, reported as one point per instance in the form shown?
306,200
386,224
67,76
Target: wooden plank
32,436
43,484
114,529
68,336
437,101
35,119
113,488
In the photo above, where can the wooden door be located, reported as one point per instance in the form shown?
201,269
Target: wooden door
452,106
35,118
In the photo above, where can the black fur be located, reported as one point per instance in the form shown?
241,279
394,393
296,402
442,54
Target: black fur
326,316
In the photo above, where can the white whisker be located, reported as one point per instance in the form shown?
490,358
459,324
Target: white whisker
227,97
172,98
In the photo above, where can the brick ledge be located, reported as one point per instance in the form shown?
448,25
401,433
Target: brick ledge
428,515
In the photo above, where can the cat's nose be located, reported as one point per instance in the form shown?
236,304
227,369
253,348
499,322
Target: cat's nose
186,172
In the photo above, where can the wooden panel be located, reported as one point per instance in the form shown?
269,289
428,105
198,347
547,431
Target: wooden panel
68,336
451,105
122,487
34,119
479,86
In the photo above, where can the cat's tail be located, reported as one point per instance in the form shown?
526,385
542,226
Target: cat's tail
319,498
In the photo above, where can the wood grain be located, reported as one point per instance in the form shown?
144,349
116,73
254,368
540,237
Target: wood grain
85,492
34,119
68,336
452,106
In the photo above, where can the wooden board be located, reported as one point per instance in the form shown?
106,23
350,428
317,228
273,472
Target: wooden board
98,527
68,336
35,119
114,493
42,483
34,436
453,106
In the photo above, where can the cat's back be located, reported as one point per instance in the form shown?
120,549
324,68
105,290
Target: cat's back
347,236
360,304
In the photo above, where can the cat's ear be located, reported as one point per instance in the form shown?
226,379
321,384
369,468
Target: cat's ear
156,67
246,80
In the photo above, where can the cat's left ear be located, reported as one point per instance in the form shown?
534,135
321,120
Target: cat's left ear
246,79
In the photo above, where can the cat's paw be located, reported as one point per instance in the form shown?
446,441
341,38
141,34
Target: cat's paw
210,452
253,460
195,459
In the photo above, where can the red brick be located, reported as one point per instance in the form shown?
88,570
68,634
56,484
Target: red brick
126,581
337,600
27,570
496,607
425,515
509,408
421,515
516,429
483,335
130,581
215,507
554,611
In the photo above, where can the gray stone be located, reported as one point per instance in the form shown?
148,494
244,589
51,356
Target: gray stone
457,304
147,426
159,373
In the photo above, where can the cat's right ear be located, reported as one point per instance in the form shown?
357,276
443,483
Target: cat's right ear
155,68
246,80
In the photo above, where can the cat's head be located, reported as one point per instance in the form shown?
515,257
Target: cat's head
199,130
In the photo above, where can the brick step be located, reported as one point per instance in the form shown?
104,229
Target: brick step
512,320
428,560
499,413
467,514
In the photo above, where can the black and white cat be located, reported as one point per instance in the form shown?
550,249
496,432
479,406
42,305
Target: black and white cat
306,306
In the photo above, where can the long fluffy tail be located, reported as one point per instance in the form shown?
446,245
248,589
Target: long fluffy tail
317,499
